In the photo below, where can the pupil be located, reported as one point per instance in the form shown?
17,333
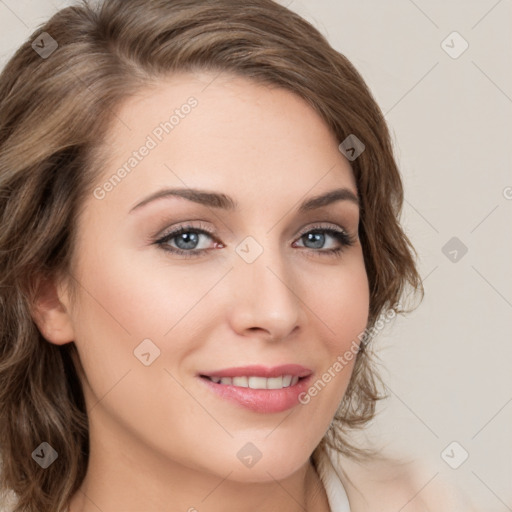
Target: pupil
189,240
318,239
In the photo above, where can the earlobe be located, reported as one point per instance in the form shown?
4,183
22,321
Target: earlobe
50,314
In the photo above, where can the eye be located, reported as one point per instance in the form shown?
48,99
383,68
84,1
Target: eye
186,240
317,237
191,241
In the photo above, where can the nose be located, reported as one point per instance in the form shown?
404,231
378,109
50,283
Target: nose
264,300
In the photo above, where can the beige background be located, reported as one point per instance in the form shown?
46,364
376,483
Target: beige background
448,365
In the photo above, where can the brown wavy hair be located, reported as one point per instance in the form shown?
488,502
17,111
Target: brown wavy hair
54,115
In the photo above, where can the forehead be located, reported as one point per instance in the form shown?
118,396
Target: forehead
221,132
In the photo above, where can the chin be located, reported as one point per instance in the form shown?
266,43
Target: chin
266,472
263,464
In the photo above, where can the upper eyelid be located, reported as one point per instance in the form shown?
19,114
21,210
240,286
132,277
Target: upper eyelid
306,229
183,227
319,225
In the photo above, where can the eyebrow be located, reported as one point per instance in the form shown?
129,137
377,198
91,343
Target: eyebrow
225,202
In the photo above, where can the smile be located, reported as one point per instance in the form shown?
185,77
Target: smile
258,388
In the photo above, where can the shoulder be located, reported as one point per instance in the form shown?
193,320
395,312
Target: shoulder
386,485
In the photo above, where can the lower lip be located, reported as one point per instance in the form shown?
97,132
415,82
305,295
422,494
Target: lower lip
261,400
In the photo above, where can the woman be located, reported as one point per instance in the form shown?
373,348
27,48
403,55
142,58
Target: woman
200,231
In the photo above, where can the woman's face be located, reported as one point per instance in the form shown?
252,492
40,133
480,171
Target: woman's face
260,276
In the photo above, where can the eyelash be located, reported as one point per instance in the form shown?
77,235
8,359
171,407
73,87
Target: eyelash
345,240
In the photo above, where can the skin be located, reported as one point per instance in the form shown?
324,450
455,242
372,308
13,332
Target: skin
160,439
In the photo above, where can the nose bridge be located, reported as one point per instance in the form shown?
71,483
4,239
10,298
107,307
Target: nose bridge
265,296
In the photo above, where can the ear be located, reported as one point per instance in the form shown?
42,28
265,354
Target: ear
50,313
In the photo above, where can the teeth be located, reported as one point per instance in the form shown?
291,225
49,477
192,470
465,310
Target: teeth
253,382
257,382
241,382
275,383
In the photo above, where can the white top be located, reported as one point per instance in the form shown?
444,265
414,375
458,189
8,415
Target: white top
387,485
336,495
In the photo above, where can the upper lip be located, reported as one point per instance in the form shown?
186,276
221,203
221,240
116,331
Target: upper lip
260,371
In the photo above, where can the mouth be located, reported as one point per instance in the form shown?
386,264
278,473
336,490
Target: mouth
260,389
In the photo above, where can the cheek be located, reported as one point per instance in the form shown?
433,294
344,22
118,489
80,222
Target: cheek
140,295
341,300
129,297
125,300
339,303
